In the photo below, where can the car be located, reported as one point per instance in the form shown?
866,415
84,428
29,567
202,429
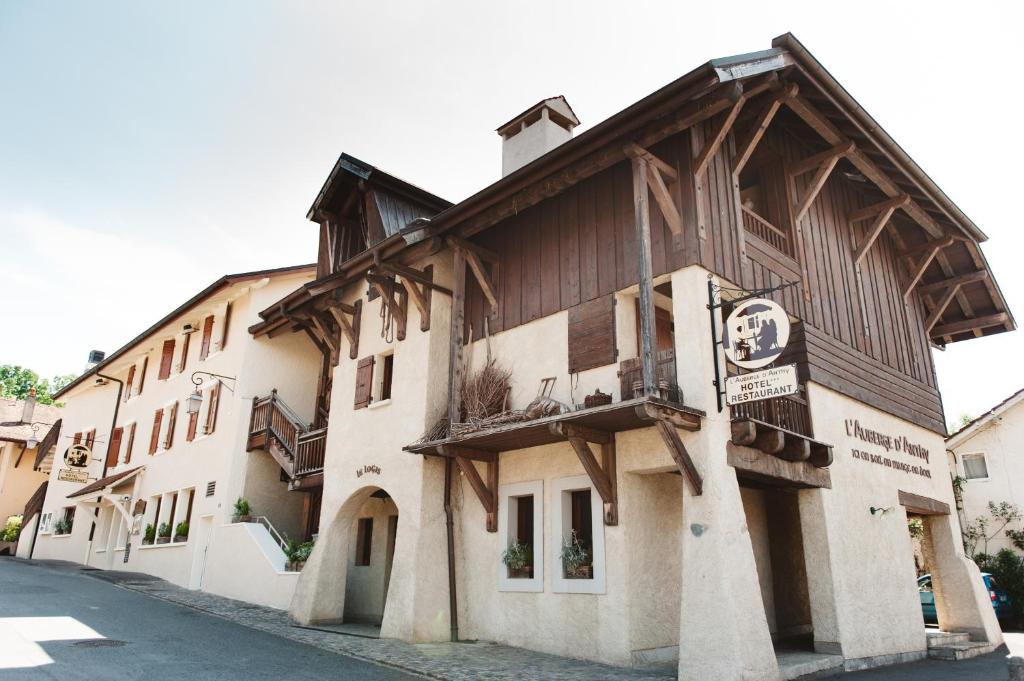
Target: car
998,596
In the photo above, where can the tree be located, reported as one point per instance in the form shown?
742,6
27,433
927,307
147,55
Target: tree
16,382
960,421
977,531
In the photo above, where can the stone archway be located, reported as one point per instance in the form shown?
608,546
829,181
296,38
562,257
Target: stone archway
321,594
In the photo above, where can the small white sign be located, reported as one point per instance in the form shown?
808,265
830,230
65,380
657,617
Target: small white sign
756,333
72,475
761,385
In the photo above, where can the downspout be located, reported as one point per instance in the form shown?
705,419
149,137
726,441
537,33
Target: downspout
113,424
453,606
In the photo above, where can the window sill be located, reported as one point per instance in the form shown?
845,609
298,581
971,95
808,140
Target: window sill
520,585
168,545
60,536
381,403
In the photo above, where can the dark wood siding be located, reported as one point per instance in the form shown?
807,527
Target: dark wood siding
592,334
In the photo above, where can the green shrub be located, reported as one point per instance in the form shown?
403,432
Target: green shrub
150,534
12,529
165,530
1007,568
242,507
182,529
62,526
517,556
574,554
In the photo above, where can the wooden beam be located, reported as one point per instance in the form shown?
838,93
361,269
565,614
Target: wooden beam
806,165
599,477
568,430
677,450
470,247
795,449
919,272
940,307
642,218
475,264
971,324
421,299
816,185
397,307
666,203
486,492
458,324
769,440
927,247
880,207
713,143
326,337
455,451
873,234
348,329
745,149
959,280
634,150
916,503
424,277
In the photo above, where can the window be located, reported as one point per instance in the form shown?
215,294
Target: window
66,522
131,442
364,541
128,383
578,541
520,525
213,401
204,349
975,466
172,420
166,360
45,522
383,391
114,447
154,438
142,375
183,360
90,438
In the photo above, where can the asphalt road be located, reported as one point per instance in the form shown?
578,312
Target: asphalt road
65,625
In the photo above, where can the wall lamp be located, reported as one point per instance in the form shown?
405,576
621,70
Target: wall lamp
195,400
879,511
32,440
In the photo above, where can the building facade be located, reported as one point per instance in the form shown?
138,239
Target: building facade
983,457
27,430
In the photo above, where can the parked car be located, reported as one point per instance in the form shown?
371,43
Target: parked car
1000,600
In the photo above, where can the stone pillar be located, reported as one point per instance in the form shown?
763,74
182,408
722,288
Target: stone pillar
961,601
723,630
820,566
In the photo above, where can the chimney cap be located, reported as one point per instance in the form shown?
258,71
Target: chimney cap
559,111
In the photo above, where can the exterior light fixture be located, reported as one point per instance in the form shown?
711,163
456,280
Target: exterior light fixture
879,511
194,400
32,440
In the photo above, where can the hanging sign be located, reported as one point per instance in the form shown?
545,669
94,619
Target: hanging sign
755,333
761,385
77,456
72,475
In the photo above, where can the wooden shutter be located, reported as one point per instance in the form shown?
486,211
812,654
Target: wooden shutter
166,359
211,413
128,384
184,353
204,349
131,443
193,422
663,328
78,438
114,448
225,326
142,374
364,382
592,334
172,420
90,438
154,438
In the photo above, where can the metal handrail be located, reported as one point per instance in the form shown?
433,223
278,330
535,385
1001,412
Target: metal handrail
265,521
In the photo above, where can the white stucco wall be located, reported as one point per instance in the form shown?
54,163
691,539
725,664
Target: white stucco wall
366,585
245,563
18,482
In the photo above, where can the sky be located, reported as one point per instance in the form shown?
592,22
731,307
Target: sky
148,148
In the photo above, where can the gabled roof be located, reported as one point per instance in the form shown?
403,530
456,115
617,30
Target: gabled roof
226,280
973,427
13,429
558,104
108,481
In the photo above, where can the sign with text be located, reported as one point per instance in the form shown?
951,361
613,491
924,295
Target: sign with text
892,444
756,333
72,475
761,385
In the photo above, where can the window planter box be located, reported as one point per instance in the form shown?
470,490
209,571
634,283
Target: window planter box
295,566
521,573
180,538
580,572
163,540
242,519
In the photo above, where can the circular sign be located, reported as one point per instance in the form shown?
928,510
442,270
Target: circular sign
755,333
77,456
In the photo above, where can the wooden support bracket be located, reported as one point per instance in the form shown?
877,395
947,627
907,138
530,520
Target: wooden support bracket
745,149
876,230
940,307
664,190
972,324
603,475
349,328
880,207
677,449
919,269
713,143
486,492
398,306
825,167
475,255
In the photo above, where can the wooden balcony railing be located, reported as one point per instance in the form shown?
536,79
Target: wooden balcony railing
631,377
790,412
766,231
304,448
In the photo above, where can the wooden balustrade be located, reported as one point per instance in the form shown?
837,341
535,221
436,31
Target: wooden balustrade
312,447
790,412
766,231
271,417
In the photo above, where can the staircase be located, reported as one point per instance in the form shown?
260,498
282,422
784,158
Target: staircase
274,427
943,645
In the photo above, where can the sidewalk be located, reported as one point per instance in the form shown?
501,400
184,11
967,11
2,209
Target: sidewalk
450,661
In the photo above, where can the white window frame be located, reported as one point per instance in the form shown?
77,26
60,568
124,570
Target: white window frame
127,428
507,531
984,457
378,379
44,522
561,527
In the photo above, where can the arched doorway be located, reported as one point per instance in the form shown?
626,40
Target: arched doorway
371,552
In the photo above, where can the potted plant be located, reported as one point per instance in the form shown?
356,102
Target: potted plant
149,536
163,533
181,531
62,526
242,511
298,554
576,559
11,529
518,558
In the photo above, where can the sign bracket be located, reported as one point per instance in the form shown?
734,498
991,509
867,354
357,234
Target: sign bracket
715,302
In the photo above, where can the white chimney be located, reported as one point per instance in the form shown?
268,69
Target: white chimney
95,357
29,408
535,132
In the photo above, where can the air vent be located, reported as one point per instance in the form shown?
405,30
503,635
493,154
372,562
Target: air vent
211,487
96,356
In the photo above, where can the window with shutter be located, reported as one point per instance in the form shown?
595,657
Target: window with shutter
78,438
130,444
193,423
224,327
204,349
154,438
364,382
142,374
128,383
90,438
172,420
184,353
166,360
211,413
114,448
592,334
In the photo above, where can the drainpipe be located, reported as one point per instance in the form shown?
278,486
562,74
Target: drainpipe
453,606
113,424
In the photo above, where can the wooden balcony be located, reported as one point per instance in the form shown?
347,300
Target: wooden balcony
299,451
766,231
790,412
